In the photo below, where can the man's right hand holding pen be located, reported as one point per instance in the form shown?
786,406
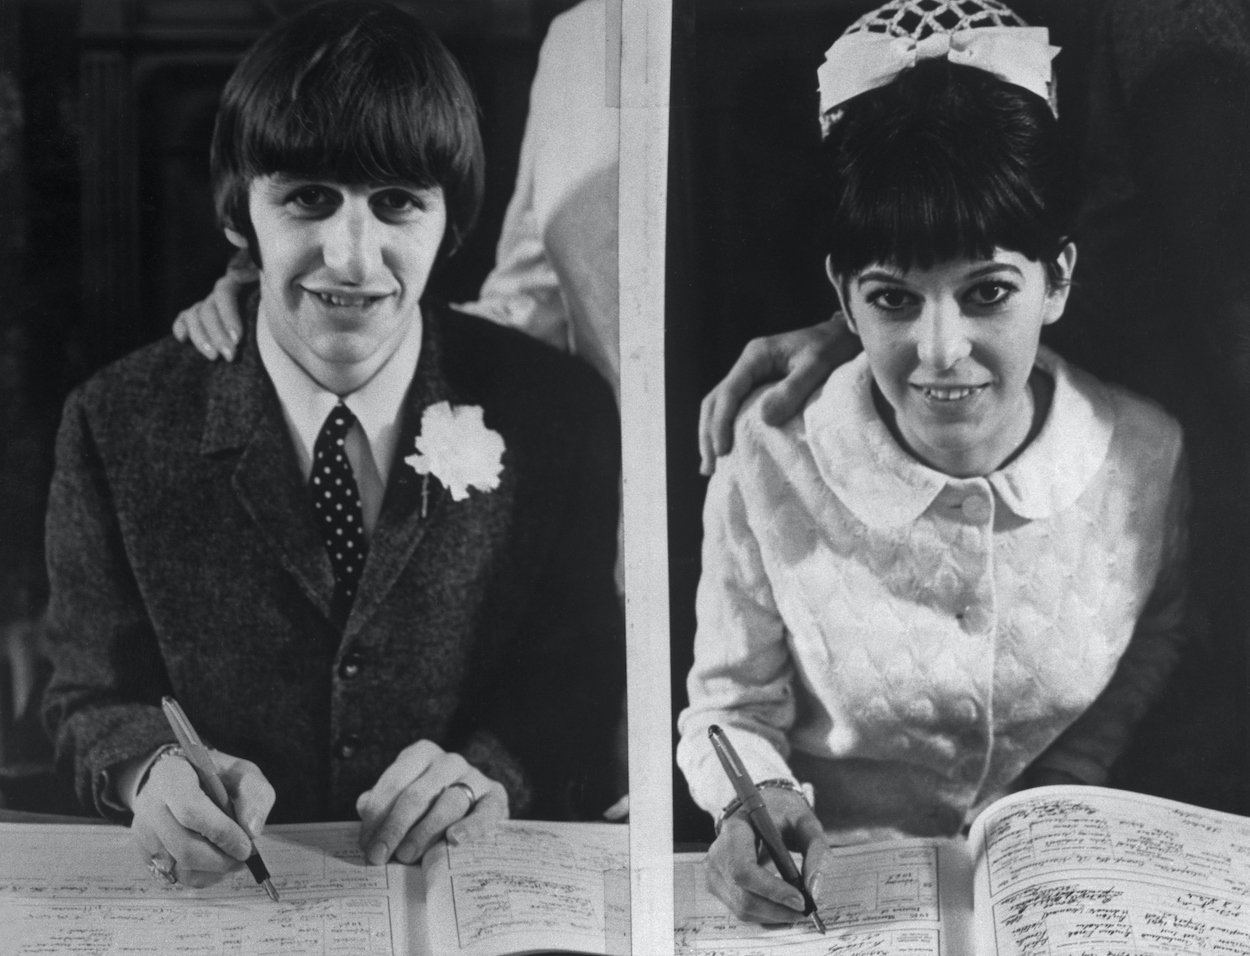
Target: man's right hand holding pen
176,821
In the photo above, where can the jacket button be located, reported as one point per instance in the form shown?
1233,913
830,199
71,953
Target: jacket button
976,509
350,666
348,747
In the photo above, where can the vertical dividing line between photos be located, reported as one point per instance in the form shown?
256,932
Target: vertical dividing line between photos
638,36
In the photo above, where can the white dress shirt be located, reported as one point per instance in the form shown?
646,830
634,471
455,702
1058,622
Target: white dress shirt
377,405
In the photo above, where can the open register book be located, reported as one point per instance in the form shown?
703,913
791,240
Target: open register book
75,890
1057,871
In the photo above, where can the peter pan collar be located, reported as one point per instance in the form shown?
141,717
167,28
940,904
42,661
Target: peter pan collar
884,486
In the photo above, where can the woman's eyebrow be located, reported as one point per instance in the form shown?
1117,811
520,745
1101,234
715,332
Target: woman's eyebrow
878,275
991,268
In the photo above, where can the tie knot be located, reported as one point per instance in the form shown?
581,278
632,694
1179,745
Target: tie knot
338,422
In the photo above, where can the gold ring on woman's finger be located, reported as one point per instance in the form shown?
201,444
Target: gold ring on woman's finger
468,791
162,869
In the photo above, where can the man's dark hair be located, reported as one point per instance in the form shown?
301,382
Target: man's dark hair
352,92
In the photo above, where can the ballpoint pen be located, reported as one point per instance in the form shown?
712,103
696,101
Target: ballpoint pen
199,758
761,822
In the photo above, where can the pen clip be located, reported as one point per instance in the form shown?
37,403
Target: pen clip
724,749
181,726
197,754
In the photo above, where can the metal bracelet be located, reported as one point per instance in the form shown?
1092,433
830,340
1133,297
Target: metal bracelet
804,790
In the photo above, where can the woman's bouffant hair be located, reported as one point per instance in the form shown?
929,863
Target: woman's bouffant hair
352,92
946,162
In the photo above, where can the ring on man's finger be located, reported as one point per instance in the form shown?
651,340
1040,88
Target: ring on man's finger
163,870
468,791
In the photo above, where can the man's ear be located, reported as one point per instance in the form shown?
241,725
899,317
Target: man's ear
236,238
839,289
1057,294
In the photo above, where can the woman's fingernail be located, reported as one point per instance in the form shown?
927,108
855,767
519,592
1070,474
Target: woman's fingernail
378,854
814,889
228,353
455,835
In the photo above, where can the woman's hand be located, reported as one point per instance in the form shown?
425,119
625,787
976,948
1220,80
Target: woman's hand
797,361
741,874
175,821
214,325
425,794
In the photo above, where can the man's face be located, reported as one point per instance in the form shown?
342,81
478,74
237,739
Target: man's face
343,268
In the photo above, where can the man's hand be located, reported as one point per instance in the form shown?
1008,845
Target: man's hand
796,361
423,795
742,876
176,822
214,325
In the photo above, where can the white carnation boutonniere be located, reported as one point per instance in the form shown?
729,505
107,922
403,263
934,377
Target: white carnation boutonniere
457,449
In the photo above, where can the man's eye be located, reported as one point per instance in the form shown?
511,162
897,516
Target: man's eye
398,202
989,293
313,198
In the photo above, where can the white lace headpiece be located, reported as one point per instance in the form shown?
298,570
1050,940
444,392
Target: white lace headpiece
883,43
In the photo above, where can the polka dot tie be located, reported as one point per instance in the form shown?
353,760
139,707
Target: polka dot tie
337,503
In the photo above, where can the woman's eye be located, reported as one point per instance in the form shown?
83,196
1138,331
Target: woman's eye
891,300
989,293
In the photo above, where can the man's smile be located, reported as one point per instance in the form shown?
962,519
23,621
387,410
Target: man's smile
346,300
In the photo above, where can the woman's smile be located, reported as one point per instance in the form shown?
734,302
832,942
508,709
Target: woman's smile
950,394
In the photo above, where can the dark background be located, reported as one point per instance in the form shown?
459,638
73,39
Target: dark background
743,260
106,223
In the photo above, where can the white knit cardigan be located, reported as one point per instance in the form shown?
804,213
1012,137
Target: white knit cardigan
908,642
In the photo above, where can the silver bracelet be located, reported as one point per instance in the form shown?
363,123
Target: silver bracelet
804,790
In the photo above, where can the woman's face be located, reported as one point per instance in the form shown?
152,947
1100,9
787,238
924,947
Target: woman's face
951,349
343,268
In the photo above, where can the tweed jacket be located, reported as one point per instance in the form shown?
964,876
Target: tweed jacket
185,559
908,642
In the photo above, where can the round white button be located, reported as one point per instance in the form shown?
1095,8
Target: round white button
976,509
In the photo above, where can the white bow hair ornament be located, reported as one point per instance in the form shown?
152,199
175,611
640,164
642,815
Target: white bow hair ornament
863,61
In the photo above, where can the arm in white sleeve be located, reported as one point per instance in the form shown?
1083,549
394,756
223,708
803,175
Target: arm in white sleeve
523,290
1089,747
742,678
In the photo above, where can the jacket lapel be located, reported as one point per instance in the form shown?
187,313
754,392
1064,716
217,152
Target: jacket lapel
243,417
412,504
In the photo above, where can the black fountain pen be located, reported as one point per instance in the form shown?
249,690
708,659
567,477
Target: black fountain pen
761,822
199,758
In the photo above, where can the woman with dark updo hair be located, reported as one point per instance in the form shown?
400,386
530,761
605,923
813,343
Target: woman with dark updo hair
960,569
